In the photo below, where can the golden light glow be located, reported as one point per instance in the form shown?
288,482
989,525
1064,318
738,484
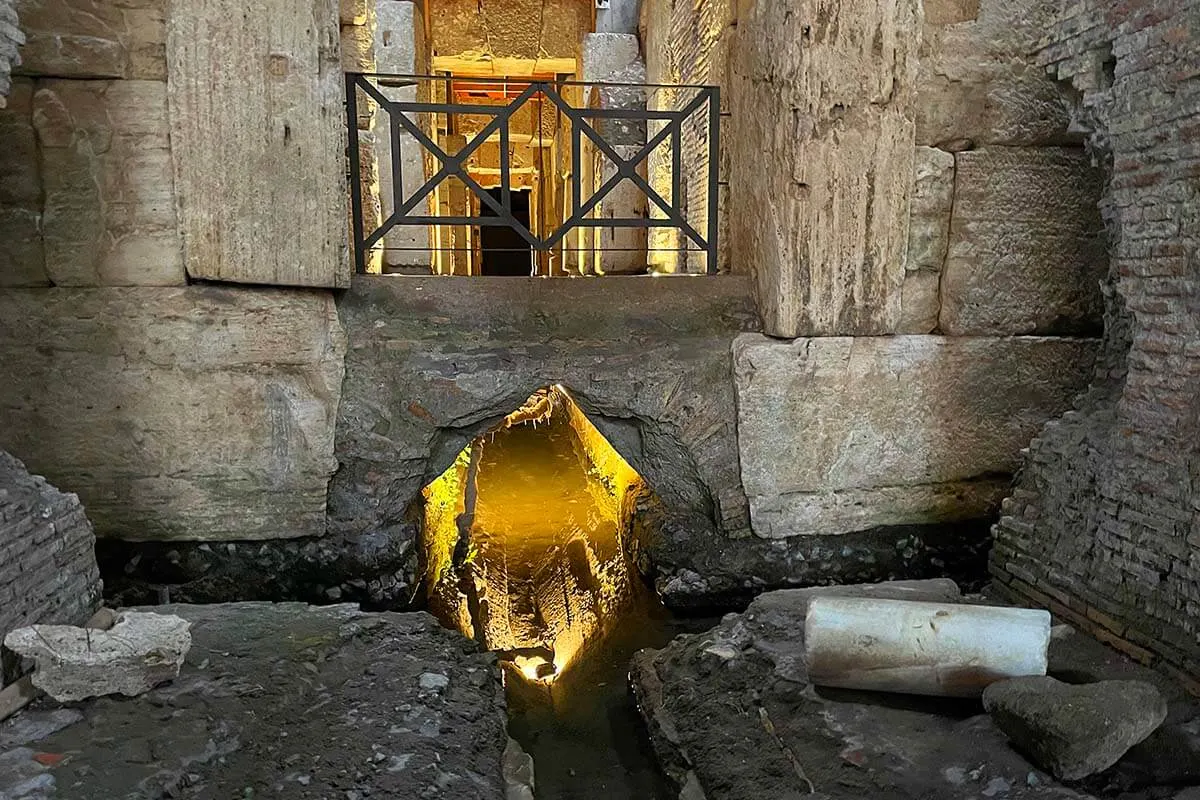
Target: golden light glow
527,536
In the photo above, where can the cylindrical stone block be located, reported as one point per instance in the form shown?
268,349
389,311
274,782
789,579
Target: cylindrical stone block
921,648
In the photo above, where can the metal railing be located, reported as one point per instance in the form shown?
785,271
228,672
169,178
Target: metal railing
441,162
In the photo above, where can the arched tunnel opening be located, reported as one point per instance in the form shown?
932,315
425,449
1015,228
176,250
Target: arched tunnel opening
529,540
531,544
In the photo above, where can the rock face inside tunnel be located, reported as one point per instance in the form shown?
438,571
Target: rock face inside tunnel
528,543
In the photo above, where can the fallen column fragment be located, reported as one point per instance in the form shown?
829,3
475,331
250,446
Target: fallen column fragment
921,648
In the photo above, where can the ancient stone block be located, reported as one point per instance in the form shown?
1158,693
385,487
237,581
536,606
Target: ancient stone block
140,651
353,12
821,161
21,259
94,38
260,174
1075,731
891,431
975,78
189,413
109,216
606,53
398,22
1027,249
920,302
358,51
929,209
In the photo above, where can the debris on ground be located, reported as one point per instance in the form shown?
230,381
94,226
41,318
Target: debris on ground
279,700
140,651
1074,731
732,715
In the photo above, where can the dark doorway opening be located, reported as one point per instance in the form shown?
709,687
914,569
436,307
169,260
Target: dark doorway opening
502,250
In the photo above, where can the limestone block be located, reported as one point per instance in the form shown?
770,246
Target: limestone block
353,12
22,259
930,206
20,178
1027,250
140,651
94,38
358,51
892,431
1075,731
109,216
22,262
821,151
606,53
177,413
622,249
621,16
920,302
259,175
976,80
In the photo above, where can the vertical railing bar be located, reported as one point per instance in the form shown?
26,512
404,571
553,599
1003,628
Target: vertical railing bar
356,213
505,177
397,166
677,168
576,166
714,170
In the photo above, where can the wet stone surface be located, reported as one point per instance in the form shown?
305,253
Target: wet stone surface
284,700
731,714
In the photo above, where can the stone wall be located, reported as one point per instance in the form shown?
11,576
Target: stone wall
1104,526
99,171
48,568
903,430
176,413
87,197
1005,234
11,38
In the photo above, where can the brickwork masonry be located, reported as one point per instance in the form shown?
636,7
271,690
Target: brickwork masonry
1103,527
48,570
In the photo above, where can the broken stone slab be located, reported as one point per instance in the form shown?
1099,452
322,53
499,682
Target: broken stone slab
140,651
921,648
1074,731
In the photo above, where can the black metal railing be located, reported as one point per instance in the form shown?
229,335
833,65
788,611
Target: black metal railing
443,162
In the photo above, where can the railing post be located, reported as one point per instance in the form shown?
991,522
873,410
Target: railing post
356,213
714,175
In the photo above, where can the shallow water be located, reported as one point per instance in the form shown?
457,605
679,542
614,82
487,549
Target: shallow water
584,731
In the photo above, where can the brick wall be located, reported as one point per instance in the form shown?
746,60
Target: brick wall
1104,525
48,568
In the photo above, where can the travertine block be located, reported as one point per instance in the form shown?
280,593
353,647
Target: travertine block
930,206
109,215
1027,247
176,413
260,174
22,262
94,38
892,430
821,161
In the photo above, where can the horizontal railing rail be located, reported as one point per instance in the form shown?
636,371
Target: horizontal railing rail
475,143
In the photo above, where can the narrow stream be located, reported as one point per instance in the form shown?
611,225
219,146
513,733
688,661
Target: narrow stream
584,731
